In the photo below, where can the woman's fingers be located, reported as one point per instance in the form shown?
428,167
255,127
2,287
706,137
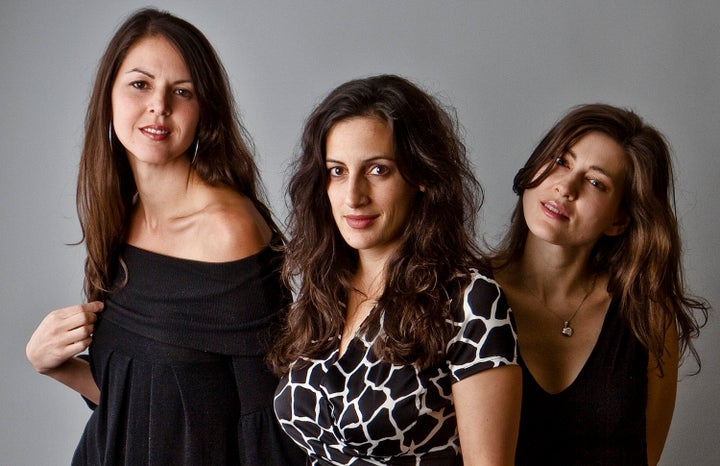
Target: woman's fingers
62,334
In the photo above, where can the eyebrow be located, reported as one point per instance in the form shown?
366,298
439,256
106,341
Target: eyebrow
152,76
370,160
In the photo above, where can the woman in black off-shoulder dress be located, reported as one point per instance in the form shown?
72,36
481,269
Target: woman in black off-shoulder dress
180,366
182,273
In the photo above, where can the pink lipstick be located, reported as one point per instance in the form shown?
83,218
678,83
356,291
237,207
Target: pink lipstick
555,210
155,132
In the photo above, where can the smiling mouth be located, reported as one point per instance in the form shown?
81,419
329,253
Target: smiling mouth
155,131
555,210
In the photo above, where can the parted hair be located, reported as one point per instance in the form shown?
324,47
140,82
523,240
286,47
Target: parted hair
106,189
437,243
644,262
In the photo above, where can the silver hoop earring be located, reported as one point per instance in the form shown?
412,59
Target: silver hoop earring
110,138
194,157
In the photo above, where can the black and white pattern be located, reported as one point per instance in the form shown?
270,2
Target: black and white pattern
358,410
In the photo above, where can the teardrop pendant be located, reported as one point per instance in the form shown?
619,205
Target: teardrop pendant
567,331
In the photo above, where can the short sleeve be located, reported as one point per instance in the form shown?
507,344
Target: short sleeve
485,335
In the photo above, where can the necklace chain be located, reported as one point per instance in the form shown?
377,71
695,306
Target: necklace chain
567,330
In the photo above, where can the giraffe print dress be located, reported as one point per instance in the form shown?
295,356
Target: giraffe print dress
358,410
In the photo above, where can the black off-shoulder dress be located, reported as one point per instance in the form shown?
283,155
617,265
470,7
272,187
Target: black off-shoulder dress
178,356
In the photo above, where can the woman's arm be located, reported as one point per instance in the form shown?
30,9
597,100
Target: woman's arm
487,406
61,335
661,396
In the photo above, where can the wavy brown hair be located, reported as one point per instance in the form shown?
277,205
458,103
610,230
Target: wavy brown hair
437,244
106,188
644,262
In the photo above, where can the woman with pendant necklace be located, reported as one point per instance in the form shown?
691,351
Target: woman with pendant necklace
591,266
400,348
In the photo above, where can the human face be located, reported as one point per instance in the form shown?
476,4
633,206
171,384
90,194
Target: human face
369,198
579,201
155,110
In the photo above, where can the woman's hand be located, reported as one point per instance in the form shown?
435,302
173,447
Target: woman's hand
62,334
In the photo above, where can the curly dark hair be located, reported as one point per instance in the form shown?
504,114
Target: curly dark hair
437,244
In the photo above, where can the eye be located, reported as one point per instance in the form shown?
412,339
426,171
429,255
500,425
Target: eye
378,170
596,183
336,171
184,93
561,161
139,84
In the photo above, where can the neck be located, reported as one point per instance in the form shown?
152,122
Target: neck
165,193
369,278
552,272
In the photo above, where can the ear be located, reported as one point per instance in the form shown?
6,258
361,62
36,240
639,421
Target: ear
421,188
619,225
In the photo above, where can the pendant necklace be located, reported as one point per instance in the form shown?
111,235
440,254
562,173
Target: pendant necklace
567,330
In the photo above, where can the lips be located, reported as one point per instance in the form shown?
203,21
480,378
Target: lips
360,222
155,132
555,210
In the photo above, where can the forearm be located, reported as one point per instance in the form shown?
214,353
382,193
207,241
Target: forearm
76,374
662,390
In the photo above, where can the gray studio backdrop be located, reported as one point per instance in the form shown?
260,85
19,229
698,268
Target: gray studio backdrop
510,68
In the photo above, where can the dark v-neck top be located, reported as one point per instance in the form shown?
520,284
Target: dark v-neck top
600,418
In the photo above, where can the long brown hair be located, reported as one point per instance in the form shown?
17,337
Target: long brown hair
106,188
644,262
437,243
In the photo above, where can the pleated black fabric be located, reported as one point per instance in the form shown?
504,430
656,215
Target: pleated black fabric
178,356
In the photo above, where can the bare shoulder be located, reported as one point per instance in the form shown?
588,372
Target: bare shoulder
232,228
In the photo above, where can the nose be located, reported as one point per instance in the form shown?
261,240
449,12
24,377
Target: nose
356,194
160,103
566,186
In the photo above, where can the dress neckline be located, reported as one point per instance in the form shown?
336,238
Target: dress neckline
591,357
147,252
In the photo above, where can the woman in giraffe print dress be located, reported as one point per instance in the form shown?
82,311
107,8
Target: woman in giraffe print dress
400,348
